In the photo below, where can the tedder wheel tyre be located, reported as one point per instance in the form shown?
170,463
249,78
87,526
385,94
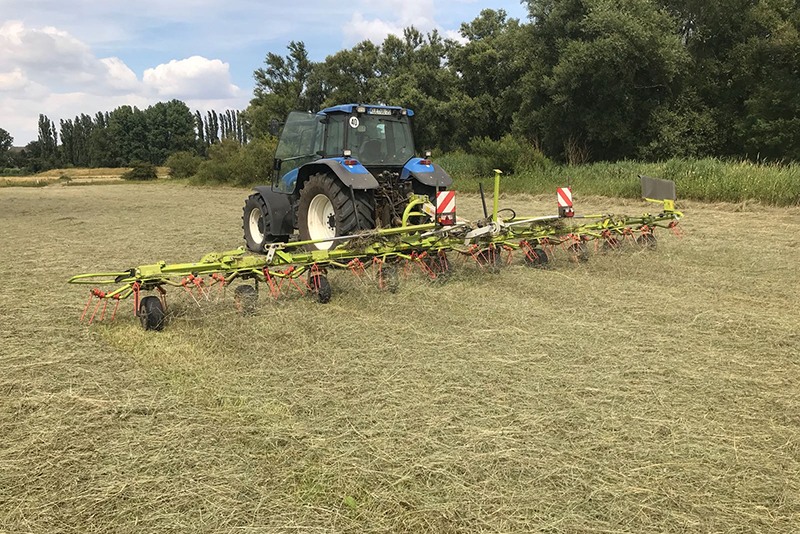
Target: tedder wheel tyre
246,299
612,244
326,209
491,258
387,278
647,241
440,266
538,258
256,225
151,313
580,252
320,288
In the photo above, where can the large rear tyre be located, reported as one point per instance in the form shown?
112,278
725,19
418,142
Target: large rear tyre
256,225
151,313
327,209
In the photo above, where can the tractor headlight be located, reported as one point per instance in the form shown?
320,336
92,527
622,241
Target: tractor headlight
361,109
347,153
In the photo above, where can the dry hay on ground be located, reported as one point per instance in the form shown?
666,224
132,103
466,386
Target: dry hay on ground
640,392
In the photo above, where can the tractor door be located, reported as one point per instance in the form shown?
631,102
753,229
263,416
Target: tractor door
300,143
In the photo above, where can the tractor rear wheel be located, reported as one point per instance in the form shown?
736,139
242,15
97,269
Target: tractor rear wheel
327,209
256,224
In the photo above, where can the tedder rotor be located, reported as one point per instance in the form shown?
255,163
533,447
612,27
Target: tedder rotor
427,237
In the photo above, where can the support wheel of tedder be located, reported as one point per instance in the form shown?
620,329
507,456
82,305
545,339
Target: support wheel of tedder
256,225
327,209
491,258
647,241
320,288
387,278
440,267
579,252
245,299
536,257
151,313
612,244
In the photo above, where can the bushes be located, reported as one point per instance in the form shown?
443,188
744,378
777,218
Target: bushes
141,171
228,163
708,180
509,154
183,164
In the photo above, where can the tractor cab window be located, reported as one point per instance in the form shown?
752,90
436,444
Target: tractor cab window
297,146
297,138
380,139
334,139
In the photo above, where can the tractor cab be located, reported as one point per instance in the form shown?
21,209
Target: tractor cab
378,138
337,172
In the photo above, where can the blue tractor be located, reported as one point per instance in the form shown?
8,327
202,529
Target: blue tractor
338,172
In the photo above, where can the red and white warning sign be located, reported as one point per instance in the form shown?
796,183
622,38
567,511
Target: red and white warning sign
564,197
446,207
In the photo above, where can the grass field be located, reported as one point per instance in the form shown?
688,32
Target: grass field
77,176
707,180
641,392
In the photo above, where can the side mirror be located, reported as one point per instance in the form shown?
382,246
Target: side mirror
274,127
276,164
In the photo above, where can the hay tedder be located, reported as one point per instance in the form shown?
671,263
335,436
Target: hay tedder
379,222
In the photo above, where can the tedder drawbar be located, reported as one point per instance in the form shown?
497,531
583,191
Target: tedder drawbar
428,238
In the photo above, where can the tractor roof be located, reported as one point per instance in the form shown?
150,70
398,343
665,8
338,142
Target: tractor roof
348,108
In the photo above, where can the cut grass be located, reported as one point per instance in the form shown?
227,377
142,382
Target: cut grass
77,176
640,392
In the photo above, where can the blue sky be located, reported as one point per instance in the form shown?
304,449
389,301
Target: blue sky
70,56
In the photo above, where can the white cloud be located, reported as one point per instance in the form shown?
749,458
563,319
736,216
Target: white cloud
391,17
118,75
195,77
47,70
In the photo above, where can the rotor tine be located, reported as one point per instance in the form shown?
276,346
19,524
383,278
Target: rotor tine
91,295
116,305
95,310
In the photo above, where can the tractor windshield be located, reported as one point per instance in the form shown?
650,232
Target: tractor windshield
380,139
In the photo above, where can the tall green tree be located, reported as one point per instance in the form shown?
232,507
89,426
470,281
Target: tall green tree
6,142
46,150
600,70
489,69
281,86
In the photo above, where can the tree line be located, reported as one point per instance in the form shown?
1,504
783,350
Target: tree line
581,80
124,136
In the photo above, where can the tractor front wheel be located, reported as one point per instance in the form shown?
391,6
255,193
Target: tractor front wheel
256,224
328,209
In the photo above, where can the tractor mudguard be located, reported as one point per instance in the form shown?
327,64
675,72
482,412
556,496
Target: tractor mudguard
355,176
280,210
430,174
